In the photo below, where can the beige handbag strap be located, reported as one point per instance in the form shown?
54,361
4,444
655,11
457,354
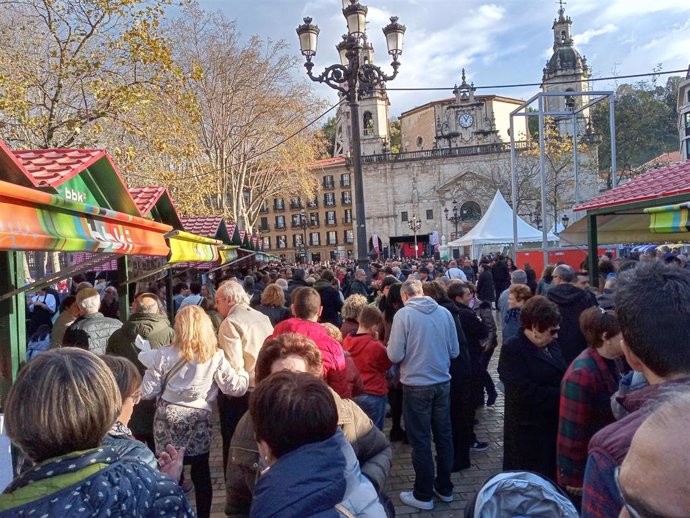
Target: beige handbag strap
342,510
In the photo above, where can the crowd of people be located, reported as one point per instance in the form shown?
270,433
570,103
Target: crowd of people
304,363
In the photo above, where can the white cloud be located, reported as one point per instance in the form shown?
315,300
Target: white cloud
585,37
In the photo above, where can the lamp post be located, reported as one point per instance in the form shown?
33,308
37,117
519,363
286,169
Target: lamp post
455,218
565,221
303,222
353,78
415,224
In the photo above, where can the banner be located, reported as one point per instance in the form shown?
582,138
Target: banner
34,220
186,247
433,239
242,233
375,243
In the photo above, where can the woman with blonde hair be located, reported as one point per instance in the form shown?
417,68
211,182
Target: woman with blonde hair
273,304
350,312
186,377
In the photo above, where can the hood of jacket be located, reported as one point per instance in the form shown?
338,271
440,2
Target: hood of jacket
356,343
568,295
425,305
306,482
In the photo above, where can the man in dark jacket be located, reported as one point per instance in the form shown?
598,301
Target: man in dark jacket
297,281
571,302
148,322
330,299
92,330
501,275
485,284
358,285
653,309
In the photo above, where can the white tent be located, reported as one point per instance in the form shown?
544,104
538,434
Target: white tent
496,228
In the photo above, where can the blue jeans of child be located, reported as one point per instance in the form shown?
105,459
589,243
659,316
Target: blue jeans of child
427,410
374,407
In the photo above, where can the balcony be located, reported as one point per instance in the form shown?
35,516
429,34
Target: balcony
280,226
328,184
331,222
481,149
263,209
347,221
295,205
265,228
347,200
279,207
345,183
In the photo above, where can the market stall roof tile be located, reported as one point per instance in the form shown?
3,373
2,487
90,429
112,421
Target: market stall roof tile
203,225
655,183
146,197
327,162
12,170
52,167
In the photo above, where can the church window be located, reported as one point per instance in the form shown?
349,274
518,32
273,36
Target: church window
420,142
403,216
430,214
470,211
368,121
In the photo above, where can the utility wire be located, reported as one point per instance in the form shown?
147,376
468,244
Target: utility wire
522,85
271,148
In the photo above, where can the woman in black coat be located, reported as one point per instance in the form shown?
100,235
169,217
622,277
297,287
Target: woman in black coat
485,284
531,367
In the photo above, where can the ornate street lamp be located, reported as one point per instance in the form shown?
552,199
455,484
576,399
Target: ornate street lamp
536,220
565,220
303,222
353,78
415,224
455,218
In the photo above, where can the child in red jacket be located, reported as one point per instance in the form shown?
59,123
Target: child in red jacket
369,355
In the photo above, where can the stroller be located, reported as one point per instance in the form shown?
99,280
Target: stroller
519,494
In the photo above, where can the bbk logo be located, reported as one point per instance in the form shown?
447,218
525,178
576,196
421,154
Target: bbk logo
73,195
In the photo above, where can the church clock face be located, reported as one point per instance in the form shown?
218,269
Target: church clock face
465,120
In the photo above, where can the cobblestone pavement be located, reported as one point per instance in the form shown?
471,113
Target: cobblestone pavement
401,478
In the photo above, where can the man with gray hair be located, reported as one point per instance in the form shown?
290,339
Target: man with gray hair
358,285
516,277
241,335
91,330
423,340
148,322
571,302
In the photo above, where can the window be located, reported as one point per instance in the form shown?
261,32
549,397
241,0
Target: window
368,124
264,208
295,203
328,182
349,236
296,220
347,198
429,214
315,239
282,242
312,204
420,142
470,211
267,243
313,219
297,240
332,237
279,204
403,216
687,124
348,216
330,218
280,221
329,199
264,223
345,180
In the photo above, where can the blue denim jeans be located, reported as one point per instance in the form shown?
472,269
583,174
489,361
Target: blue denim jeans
427,410
374,407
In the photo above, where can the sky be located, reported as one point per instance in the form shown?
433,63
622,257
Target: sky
499,42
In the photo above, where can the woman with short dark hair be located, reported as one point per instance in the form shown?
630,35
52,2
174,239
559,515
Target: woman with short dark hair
311,468
531,367
58,411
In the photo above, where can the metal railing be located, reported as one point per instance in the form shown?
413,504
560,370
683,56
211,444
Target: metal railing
480,149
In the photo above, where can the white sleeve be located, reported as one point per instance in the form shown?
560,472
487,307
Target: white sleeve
151,384
230,381
49,300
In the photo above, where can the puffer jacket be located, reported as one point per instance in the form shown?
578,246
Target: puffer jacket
91,332
319,479
369,444
94,483
120,439
154,328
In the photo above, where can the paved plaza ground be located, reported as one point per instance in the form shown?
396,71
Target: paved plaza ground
484,464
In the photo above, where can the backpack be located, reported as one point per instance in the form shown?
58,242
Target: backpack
520,494
38,342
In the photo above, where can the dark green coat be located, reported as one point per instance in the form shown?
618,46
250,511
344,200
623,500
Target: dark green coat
156,329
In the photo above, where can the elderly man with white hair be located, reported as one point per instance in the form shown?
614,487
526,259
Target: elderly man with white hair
241,335
91,330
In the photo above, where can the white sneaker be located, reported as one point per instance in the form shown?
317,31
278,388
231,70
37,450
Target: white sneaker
443,498
407,498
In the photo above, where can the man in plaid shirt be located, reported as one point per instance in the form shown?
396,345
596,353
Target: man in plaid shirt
653,308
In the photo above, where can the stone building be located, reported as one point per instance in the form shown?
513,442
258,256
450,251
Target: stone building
324,223
684,117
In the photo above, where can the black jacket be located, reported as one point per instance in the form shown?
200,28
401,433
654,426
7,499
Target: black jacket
475,330
571,301
358,287
274,313
485,287
293,284
330,302
532,381
460,366
501,275
91,332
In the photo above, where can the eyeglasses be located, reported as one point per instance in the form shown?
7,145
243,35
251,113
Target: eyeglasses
554,331
136,397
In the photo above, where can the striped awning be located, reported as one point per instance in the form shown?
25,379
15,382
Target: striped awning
669,218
